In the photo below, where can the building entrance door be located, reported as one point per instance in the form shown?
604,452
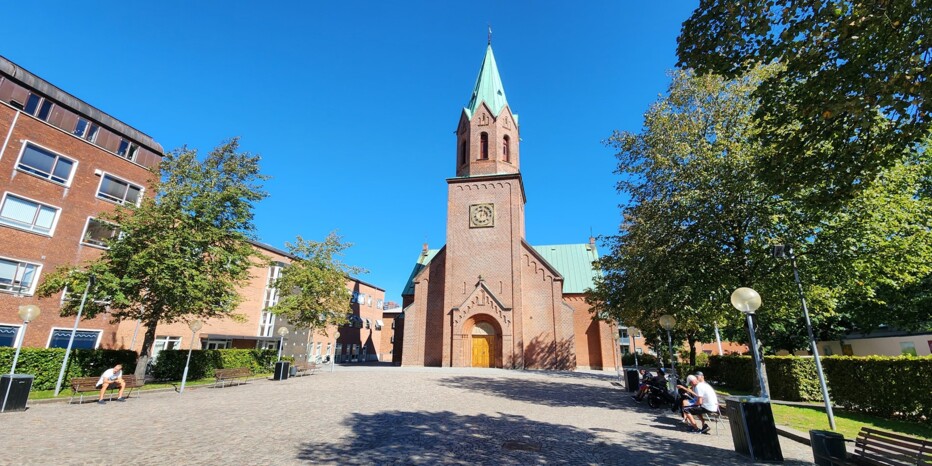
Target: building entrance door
482,350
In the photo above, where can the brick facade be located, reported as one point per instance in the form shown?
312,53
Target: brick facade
54,126
487,286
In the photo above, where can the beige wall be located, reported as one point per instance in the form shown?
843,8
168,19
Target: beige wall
884,346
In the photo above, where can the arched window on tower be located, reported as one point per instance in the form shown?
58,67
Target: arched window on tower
484,146
463,152
506,148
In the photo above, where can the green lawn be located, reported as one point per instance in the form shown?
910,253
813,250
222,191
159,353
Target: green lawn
804,418
66,391
847,423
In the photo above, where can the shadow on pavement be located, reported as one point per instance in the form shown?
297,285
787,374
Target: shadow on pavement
543,392
395,437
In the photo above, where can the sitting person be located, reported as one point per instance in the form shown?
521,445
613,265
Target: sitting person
706,403
110,377
687,396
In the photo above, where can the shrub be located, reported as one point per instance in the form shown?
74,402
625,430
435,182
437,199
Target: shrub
45,363
891,387
627,360
793,378
170,363
733,371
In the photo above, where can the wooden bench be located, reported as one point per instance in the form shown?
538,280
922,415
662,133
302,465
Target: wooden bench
876,447
223,376
305,368
82,385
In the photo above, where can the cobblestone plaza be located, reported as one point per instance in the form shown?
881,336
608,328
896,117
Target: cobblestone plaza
374,415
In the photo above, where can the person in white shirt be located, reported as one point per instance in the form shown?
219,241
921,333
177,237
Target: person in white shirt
706,403
110,377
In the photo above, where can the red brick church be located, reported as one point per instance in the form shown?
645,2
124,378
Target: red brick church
488,298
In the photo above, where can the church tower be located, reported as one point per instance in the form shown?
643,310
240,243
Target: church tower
487,298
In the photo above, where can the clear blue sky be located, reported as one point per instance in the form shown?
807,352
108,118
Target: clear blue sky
353,104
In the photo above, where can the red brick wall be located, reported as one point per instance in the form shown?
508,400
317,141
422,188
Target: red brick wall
78,201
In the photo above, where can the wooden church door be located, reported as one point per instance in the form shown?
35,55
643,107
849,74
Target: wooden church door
482,350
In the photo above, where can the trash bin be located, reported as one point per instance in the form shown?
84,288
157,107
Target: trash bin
752,428
826,443
281,370
632,380
14,388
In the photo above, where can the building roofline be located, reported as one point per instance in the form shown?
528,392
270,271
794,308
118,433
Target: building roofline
291,256
30,80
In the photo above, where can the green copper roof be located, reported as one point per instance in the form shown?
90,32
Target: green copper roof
422,261
489,88
573,261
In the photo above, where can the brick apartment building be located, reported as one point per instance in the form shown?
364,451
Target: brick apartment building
255,327
488,298
62,163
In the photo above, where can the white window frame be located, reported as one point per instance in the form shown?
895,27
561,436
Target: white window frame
87,224
51,231
100,334
22,150
166,339
35,281
104,175
87,134
215,343
42,100
19,333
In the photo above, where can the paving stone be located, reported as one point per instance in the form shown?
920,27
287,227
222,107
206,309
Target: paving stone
374,415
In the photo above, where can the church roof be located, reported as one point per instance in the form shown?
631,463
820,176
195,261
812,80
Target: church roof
489,88
573,261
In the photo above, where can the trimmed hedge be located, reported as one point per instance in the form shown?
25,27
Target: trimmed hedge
170,363
885,386
627,360
45,363
891,387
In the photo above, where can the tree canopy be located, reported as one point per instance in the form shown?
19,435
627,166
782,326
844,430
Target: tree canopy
183,253
853,96
313,289
701,221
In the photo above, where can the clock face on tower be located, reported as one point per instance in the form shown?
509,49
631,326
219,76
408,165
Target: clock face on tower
481,215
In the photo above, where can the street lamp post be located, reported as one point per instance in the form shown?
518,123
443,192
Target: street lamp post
194,326
779,252
77,319
333,358
668,322
632,334
747,301
28,313
282,331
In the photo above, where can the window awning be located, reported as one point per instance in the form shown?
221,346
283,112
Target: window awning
379,323
212,336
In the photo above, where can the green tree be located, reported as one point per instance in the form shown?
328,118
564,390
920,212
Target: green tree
313,292
853,97
183,253
700,222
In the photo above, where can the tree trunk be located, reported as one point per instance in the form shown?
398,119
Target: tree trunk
142,361
691,338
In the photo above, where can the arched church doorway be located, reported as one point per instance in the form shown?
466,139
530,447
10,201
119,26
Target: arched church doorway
484,342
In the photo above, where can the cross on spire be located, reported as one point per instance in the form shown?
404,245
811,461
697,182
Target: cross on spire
490,34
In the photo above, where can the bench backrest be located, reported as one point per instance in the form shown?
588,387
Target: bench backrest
89,383
232,372
885,448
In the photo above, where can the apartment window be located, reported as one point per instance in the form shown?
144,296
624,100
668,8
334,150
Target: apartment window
116,190
379,304
216,344
164,343
86,130
24,214
127,149
266,318
99,233
506,148
83,339
18,277
8,335
45,164
484,146
38,107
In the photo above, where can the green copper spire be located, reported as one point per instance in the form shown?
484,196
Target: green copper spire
489,87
